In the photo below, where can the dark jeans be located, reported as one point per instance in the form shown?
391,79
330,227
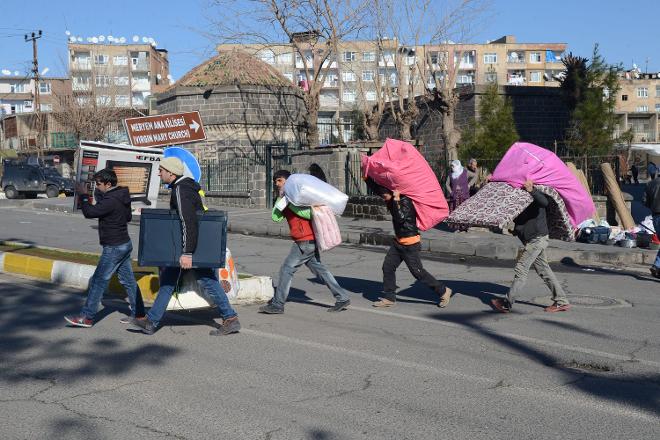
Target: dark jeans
207,278
113,259
306,253
656,225
410,255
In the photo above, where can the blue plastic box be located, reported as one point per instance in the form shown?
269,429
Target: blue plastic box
160,238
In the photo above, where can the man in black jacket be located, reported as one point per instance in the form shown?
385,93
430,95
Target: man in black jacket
113,209
186,200
406,248
531,227
652,201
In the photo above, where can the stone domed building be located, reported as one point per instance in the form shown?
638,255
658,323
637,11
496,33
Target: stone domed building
243,102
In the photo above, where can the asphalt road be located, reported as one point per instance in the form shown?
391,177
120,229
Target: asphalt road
410,372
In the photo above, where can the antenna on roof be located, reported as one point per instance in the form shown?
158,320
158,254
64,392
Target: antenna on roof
67,32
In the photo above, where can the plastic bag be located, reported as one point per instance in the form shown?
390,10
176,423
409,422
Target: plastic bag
326,229
647,223
307,190
228,276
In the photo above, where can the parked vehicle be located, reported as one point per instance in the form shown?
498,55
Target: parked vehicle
66,185
30,180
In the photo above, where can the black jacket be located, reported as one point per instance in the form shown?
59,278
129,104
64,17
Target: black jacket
652,196
113,209
404,217
186,200
532,222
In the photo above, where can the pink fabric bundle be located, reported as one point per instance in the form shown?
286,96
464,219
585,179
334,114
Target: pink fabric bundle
326,229
399,166
528,161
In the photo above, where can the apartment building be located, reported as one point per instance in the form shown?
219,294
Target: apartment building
18,93
121,75
353,75
638,105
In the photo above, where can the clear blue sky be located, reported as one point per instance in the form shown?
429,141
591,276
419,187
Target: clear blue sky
627,31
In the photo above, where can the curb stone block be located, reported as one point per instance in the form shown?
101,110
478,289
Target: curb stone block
27,265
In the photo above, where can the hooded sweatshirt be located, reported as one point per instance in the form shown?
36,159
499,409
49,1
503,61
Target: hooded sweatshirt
185,199
113,209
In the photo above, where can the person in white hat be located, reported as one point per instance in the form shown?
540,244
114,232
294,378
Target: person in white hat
185,199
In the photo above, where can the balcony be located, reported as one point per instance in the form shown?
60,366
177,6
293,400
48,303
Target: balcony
331,84
140,66
81,87
81,65
515,58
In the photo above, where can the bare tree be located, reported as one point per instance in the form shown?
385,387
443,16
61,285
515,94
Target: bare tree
314,28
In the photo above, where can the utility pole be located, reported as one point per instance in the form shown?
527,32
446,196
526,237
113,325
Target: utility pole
35,74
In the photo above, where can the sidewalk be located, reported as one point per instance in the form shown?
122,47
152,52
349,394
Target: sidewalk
479,243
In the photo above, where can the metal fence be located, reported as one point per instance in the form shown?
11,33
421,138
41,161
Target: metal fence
226,176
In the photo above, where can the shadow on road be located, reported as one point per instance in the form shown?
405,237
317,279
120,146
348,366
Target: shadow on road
569,262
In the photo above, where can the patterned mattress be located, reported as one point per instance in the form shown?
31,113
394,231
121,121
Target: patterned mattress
498,203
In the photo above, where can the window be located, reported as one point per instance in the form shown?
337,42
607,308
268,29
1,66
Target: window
464,79
657,107
535,77
624,97
491,77
289,76
467,59
82,100
348,76
387,57
267,56
350,56
102,80
642,92
101,59
27,105
370,95
122,101
46,107
285,58
44,88
490,58
121,80
120,60
349,95
535,57
642,108
369,56
103,100
657,91
17,88
367,75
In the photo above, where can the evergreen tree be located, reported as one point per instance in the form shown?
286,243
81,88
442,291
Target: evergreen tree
493,133
591,96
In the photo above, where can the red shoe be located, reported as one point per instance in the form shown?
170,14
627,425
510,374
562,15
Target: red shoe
501,305
79,321
558,308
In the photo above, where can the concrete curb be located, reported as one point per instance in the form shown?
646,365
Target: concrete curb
253,290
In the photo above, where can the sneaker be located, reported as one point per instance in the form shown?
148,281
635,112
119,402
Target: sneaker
229,326
271,309
128,319
79,321
143,324
444,299
655,271
384,302
558,308
501,305
339,306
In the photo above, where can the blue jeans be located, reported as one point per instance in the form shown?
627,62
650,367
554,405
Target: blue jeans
206,278
656,225
304,252
113,259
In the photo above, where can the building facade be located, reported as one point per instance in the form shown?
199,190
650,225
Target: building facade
638,105
18,93
120,75
361,70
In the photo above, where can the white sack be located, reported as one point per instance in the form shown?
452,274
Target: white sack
307,190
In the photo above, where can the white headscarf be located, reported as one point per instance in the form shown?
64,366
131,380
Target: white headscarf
456,169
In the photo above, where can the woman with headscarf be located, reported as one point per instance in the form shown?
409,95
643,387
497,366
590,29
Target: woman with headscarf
458,188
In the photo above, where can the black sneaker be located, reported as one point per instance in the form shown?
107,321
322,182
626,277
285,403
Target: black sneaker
229,326
339,306
655,271
144,325
271,309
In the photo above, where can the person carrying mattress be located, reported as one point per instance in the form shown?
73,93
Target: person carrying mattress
303,251
406,248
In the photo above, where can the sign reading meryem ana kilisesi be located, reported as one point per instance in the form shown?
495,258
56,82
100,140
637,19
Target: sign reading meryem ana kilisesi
162,130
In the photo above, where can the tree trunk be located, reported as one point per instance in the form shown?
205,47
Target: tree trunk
312,131
450,134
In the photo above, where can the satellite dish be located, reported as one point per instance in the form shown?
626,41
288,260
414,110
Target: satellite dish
153,44
6,72
72,39
111,38
145,40
136,38
634,66
16,72
67,33
159,76
546,77
101,38
45,71
79,39
514,55
89,39
122,40
151,39
95,40
169,77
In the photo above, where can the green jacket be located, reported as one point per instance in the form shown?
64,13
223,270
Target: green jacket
304,212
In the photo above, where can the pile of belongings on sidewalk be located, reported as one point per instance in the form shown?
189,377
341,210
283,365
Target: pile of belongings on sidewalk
326,202
398,166
501,200
642,235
